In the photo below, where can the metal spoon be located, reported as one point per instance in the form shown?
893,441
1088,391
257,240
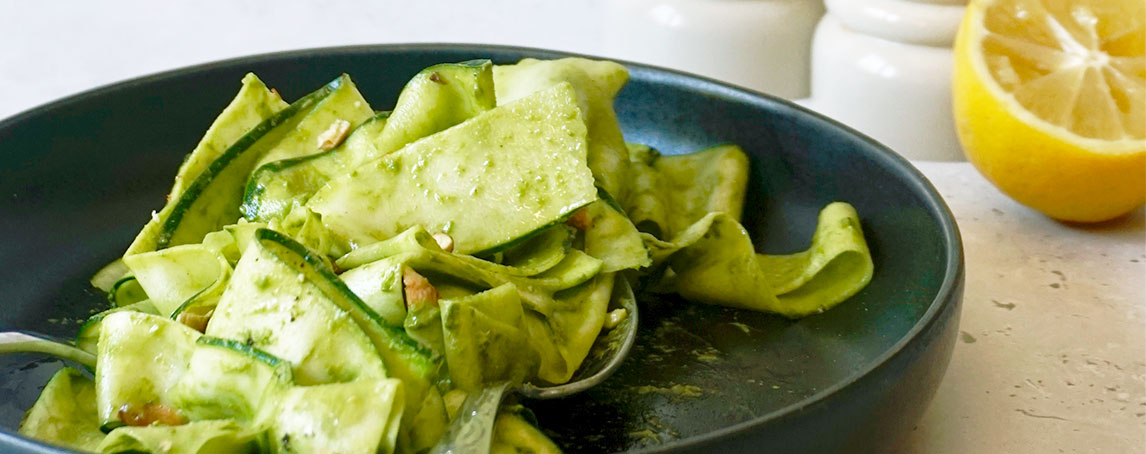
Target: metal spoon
472,430
25,342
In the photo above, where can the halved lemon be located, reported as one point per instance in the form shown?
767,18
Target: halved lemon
1050,102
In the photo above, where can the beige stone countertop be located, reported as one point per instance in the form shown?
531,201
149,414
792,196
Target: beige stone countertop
1052,341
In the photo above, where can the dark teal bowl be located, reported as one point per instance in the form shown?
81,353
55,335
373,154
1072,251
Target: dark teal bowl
80,175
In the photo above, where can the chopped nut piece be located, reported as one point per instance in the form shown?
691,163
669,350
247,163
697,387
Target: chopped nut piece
615,317
334,135
580,220
149,414
197,322
419,290
445,241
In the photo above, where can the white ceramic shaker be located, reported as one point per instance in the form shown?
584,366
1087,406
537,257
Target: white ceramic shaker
884,68
759,44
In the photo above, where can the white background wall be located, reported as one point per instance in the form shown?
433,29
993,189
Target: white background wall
49,49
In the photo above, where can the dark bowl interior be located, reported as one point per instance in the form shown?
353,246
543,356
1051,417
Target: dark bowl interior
81,175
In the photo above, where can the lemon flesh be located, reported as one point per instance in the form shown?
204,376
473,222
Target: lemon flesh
1050,102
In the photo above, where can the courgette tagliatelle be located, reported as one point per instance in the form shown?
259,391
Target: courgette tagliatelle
327,278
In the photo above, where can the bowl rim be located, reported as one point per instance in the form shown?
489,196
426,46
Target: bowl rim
954,269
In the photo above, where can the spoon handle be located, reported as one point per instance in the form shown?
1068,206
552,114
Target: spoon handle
471,432
20,342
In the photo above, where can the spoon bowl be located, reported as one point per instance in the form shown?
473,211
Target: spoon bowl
608,351
472,429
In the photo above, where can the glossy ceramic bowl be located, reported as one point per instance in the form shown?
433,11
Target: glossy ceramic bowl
81,175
